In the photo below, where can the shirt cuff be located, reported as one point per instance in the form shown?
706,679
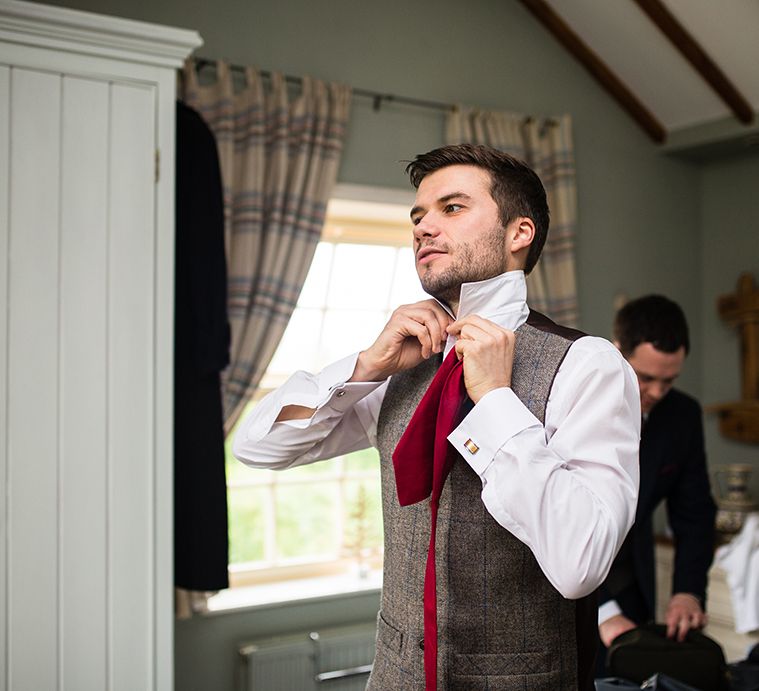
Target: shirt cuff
333,394
497,417
336,392
608,610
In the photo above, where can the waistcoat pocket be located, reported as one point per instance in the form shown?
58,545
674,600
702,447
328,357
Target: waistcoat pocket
388,636
505,668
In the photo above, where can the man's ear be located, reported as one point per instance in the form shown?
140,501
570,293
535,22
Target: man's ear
524,234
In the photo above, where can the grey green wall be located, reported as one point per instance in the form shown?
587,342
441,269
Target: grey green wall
635,205
206,657
729,202
647,222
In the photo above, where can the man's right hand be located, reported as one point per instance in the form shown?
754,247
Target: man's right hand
613,627
413,333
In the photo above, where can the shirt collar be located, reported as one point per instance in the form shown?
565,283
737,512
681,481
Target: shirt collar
501,299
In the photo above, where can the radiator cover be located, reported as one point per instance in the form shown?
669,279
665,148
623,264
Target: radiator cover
333,659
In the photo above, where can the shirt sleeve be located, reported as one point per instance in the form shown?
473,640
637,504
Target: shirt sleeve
345,419
567,489
607,610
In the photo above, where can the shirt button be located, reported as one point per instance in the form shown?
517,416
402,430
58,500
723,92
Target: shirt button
340,394
421,644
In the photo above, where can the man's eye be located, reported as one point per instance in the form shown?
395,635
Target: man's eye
415,220
452,208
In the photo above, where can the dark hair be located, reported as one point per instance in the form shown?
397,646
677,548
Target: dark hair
515,187
651,319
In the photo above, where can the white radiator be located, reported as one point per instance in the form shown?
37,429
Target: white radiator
337,659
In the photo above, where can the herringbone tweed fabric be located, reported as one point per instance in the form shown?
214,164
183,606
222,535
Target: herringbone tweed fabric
501,624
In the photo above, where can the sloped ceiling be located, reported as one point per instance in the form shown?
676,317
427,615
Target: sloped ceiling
637,52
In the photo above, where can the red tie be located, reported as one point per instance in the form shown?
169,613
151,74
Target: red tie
422,460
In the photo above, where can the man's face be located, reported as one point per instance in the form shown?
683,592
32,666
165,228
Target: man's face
458,236
656,372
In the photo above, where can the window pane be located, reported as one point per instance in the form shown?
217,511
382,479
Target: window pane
305,519
364,276
319,469
363,517
406,287
361,461
240,474
236,471
246,523
348,331
298,347
314,291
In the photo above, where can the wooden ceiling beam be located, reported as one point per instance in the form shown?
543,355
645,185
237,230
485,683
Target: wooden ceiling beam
692,51
597,68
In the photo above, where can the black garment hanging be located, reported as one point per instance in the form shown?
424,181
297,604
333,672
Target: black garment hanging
201,351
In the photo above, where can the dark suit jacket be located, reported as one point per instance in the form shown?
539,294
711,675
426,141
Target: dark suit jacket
672,468
201,351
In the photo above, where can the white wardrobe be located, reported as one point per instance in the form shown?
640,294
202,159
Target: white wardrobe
86,320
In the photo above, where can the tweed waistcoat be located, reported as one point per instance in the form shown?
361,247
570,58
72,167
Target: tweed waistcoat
501,624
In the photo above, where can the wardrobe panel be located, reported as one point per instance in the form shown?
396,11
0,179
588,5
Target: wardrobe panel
84,382
4,184
33,382
131,375
164,377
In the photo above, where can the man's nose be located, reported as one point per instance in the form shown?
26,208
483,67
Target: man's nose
426,228
657,390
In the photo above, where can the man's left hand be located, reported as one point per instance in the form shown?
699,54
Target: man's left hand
487,352
684,613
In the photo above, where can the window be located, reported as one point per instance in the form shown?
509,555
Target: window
325,518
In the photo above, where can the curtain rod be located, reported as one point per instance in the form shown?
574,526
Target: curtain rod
377,97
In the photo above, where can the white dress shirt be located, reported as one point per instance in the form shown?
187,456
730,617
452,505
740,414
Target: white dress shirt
567,489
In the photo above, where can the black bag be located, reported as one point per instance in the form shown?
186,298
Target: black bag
645,651
743,675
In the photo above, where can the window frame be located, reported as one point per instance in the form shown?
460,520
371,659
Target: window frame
355,215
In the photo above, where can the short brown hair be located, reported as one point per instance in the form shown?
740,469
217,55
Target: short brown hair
652,319
515,187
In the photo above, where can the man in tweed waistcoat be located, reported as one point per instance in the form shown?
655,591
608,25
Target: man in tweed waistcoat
544,484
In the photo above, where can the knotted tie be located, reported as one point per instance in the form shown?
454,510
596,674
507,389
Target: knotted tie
422,460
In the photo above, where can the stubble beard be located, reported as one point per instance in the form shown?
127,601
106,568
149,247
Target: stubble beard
478,261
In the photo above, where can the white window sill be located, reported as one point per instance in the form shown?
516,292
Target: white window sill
290,591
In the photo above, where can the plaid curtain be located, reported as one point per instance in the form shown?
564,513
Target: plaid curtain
279,159
547,147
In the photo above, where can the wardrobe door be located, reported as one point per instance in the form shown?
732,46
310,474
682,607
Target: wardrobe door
4,219
79,243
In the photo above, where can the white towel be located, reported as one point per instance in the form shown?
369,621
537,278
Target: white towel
740,561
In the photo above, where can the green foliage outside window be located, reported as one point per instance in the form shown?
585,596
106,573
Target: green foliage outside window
306,513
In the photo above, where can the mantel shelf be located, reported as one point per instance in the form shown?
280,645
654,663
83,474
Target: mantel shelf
738,420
